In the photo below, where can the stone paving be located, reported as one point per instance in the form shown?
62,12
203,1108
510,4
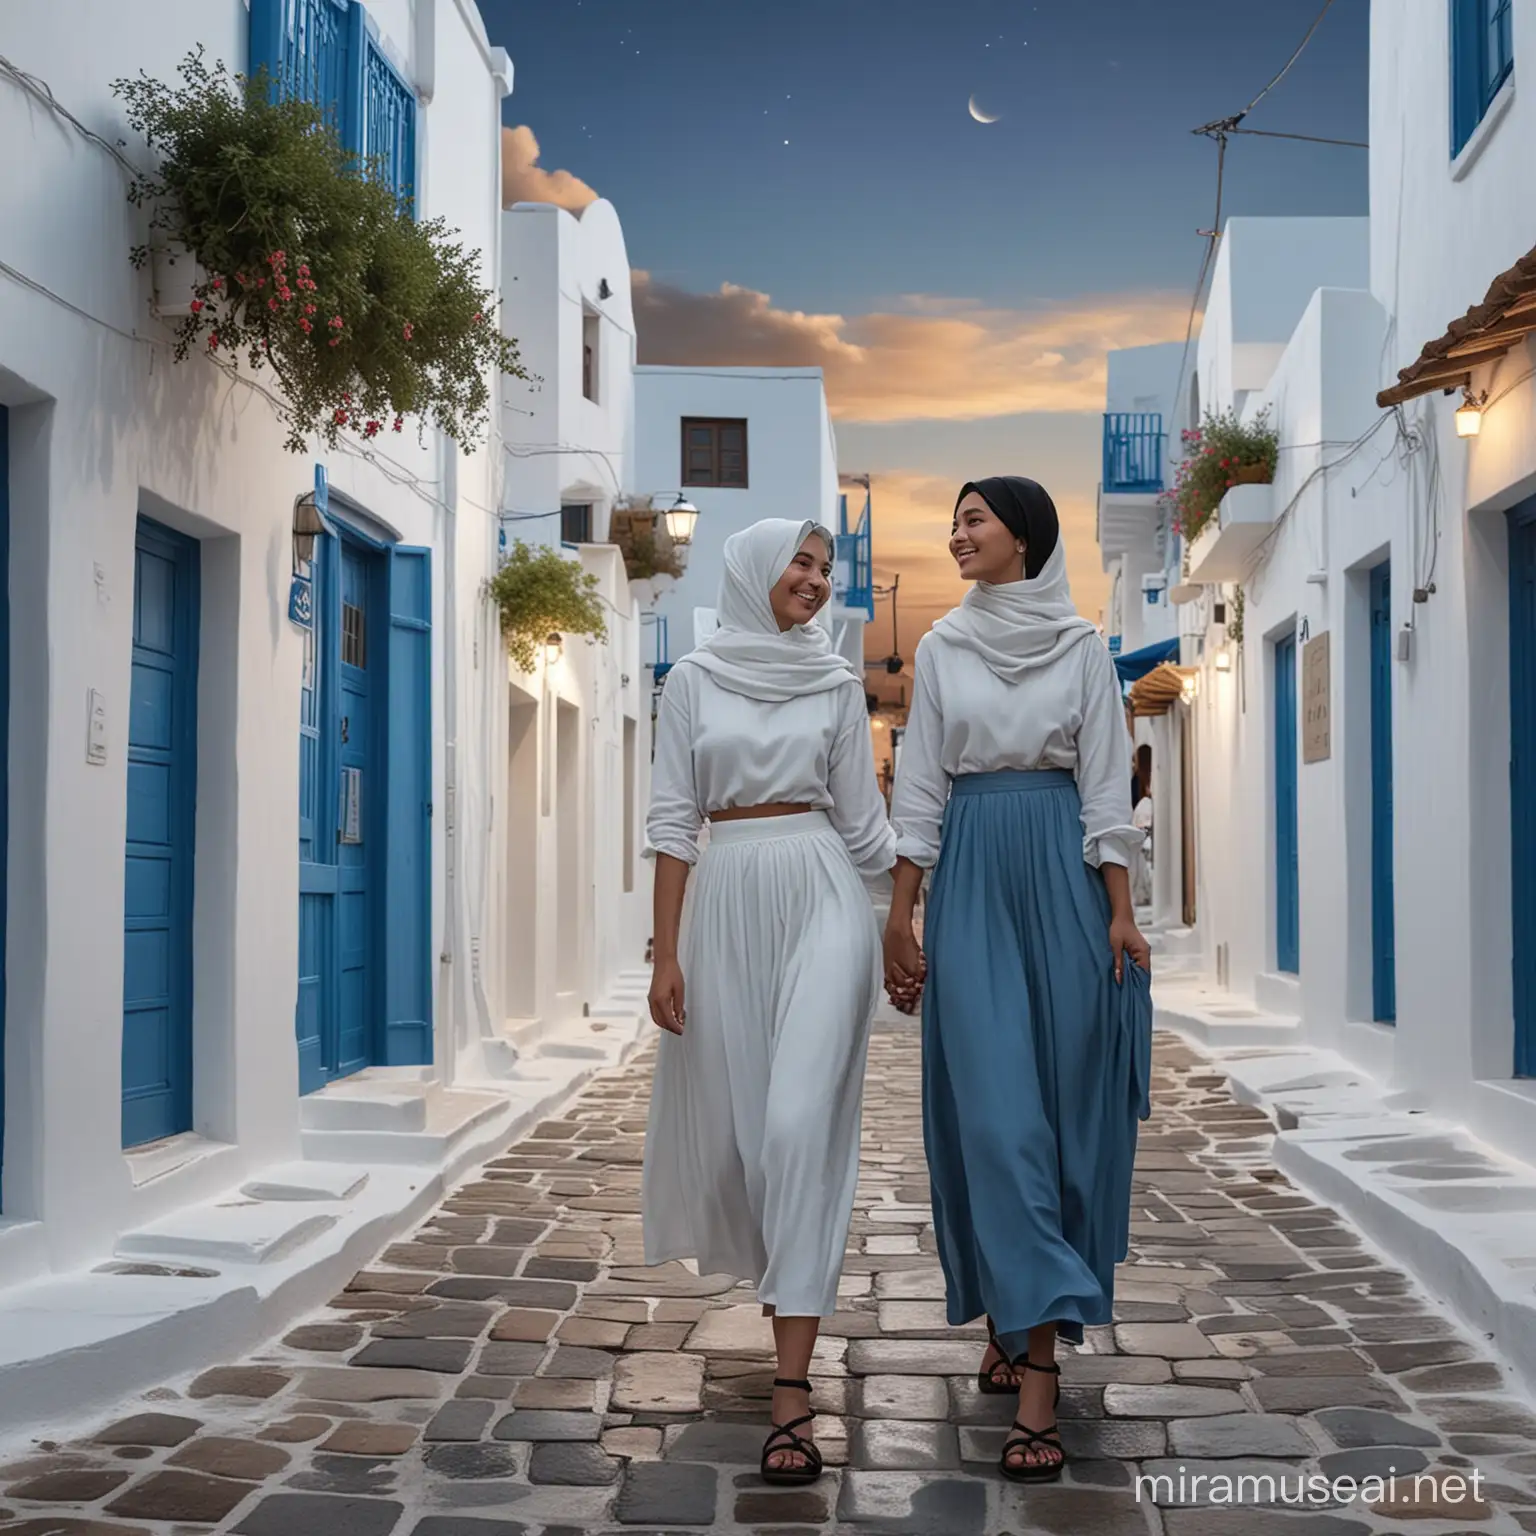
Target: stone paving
512,1370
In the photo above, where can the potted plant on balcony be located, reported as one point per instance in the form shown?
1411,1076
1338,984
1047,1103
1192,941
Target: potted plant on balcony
542,594
307,264
640,534
1218,454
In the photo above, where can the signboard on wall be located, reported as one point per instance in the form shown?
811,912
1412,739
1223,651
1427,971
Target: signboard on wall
1316,733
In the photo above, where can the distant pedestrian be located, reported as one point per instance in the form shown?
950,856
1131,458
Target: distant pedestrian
1036,1002
1141,819
752,1150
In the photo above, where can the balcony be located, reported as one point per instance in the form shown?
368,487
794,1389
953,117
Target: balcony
327,52
1133,453
1228,544
854,578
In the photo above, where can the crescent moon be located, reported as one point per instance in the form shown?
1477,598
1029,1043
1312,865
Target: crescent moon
979,115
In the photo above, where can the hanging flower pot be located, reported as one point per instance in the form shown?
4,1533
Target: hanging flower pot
1252,474
302,262
176,276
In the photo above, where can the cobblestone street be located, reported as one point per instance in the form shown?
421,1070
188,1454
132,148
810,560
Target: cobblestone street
512,1369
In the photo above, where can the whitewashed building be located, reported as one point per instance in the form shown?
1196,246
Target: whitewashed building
1366,769
575,893
257,960
744,444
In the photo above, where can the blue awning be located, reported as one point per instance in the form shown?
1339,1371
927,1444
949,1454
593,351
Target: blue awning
1136,664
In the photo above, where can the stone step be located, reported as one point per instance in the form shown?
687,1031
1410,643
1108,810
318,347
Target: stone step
233,1231
307,1181
373,1100
444,1120
1194,1006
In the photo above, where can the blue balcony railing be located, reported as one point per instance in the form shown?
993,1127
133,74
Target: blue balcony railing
1133,451
327,52
661,655
856,558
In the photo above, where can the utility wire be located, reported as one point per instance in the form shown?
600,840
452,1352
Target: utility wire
1220,130
1305,138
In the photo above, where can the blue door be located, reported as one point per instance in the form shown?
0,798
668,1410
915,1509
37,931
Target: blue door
1383,920
365,749
162,797
1522,773
1287,884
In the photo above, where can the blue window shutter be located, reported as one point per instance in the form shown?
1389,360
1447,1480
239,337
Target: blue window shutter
266,42
1466,74
408,885
354,97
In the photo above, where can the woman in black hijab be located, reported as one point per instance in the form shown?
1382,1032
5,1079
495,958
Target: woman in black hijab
1036,1005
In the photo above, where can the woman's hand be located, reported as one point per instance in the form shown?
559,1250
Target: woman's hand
666,997
1125,938
905,967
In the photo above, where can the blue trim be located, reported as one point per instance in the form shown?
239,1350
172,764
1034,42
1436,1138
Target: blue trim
1522,774
1287,882
408,834
1482,59
327,52
856,548
161,830
1383,905
1133,452
1136,664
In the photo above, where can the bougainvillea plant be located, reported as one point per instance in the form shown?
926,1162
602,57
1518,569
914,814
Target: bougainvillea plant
310,267
541,593
1218,454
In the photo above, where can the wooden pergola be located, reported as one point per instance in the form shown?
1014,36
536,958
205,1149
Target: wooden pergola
1487,331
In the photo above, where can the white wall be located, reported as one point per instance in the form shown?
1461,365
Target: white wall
791,466
560,445
574,894
104,425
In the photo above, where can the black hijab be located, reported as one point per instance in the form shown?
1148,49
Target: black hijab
1025,509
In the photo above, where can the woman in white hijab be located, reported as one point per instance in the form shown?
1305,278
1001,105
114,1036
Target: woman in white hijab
1037,1019
752,1149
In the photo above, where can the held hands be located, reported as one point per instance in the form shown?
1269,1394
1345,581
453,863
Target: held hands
905,967
1125,939
666,997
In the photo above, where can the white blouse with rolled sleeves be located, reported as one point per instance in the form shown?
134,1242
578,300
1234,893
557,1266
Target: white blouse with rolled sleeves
717,750
965,719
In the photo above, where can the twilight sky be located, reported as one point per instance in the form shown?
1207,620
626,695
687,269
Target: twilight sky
800,182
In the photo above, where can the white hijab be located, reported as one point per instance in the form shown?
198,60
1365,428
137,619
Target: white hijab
749,653
1020,625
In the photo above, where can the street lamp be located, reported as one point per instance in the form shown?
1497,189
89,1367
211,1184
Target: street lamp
1469,414
554,647
681,518
308,525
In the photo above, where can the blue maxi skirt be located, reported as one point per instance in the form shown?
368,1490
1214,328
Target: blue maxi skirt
1036,1062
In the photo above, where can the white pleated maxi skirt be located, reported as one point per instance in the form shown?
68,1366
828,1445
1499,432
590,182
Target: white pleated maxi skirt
752,1149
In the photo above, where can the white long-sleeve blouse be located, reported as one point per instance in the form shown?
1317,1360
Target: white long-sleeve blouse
717,750
966,719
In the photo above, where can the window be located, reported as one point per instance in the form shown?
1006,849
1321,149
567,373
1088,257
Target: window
715,452
327,52
1482,59
590,330
576,524
354,639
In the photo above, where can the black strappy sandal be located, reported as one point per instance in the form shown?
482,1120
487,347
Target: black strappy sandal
791,1476
987,1382
1026,1439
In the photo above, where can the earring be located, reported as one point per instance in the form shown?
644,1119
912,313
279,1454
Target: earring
1018,549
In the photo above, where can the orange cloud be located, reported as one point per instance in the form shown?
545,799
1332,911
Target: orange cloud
932,359
524,180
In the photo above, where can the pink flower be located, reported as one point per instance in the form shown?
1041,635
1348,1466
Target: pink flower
305,326
407,332
309,309
303,269
335,341
197,306
340,418
213,342
271,303
218,282
399,423
335,322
